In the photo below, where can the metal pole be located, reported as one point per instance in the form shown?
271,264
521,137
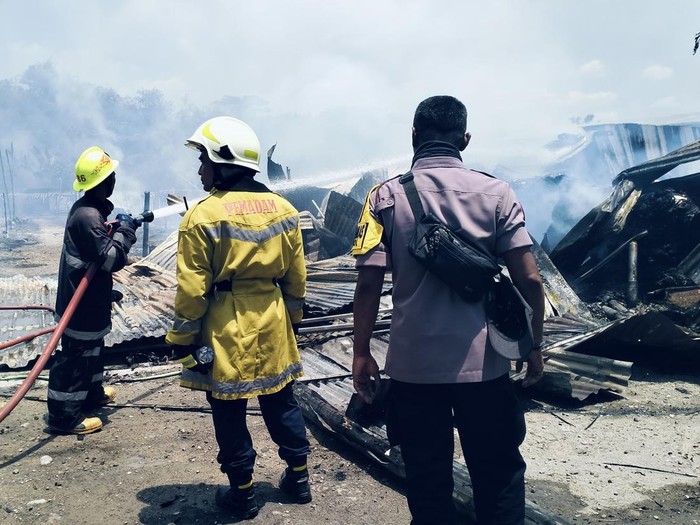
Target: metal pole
4,207
10,161
7,190
146,207
632,284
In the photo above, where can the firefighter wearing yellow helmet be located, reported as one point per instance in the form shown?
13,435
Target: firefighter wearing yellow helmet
241,286
75,382
93,166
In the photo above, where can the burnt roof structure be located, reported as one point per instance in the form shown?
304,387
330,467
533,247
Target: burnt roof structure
661,216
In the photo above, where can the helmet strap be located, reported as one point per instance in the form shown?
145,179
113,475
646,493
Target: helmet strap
225,153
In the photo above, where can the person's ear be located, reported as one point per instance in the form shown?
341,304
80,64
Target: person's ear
465,141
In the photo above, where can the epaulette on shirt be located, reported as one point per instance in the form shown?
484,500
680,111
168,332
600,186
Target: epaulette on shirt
484,173
369,230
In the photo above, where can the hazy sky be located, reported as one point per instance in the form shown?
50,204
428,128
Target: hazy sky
349,74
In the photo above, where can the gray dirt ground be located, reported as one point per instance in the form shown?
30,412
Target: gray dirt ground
630,460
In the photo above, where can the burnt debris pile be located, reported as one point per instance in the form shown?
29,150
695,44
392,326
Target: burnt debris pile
329,214
641,246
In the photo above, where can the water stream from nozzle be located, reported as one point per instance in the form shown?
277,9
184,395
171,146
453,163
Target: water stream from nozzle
166,211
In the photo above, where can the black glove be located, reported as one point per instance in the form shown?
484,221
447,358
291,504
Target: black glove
192,358
295,328
125,235
117,295
126,219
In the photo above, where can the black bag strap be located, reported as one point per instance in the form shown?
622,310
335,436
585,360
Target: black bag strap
419,213
412,194
409,185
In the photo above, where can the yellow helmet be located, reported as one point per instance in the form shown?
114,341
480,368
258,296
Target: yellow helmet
93,166
227,140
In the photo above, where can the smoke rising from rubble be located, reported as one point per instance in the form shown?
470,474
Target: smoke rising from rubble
146,132
332,84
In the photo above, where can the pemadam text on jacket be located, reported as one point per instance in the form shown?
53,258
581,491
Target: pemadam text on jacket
250,206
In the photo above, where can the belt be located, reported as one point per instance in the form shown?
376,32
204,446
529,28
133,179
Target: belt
227,286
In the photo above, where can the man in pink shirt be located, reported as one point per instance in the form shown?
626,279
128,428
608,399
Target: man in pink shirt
443,371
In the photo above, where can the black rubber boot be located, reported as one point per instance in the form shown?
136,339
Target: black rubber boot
239,502
295,484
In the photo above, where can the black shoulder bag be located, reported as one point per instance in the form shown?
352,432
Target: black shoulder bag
459,262
471,272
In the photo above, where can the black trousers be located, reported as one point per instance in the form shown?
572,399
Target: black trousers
75,381
283,419
491,427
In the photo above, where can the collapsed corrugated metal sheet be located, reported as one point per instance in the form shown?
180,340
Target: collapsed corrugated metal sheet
568,324
567,374
146,310
149,291
336,208
275,172
650,332
690,266
165,254
20,291
330,286
340,215
561,299
649,171
145,313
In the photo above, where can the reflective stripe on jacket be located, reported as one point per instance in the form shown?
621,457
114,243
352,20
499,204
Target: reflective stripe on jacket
250,239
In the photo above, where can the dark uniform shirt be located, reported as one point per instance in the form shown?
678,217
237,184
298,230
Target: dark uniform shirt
86,240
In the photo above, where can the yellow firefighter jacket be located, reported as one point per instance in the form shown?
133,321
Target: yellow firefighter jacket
252,239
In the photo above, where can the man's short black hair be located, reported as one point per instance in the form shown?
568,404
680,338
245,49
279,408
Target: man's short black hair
441,118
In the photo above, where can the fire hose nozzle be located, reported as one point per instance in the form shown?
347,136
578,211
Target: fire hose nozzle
146,216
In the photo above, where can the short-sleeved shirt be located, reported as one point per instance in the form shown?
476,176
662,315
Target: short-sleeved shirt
437,337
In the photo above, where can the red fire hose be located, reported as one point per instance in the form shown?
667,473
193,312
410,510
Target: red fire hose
26,337
28,307
53,341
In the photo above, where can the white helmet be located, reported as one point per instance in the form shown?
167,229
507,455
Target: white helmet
227,140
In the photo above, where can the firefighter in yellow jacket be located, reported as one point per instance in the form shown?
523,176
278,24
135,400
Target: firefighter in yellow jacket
241,285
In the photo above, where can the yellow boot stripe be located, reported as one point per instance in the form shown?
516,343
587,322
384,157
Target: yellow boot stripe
299,469
188,361
246,486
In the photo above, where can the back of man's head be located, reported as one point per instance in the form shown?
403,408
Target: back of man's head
440,118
